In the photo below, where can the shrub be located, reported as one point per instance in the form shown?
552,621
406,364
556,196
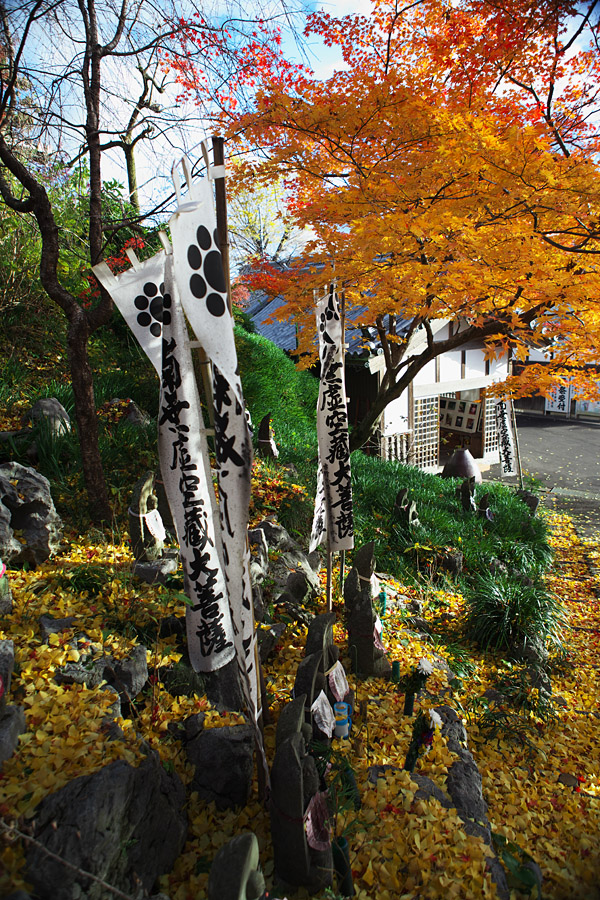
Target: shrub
503,612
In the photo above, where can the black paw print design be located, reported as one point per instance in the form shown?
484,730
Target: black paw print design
154,307
208,280
329,313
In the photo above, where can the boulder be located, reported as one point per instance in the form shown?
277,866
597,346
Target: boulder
122,824
223,760
26,507
12,724
268,637
158,570
7,665
49,625
129,675
5,591
52,413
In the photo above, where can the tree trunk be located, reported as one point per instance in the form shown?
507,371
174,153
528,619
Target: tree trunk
85,414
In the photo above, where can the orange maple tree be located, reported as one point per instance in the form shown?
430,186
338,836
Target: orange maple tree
448,171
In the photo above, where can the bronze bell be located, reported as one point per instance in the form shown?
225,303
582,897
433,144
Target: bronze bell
462,465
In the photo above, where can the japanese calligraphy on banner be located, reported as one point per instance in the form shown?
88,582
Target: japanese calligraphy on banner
198,269
138,294
560,399
188,485
506,444
334,494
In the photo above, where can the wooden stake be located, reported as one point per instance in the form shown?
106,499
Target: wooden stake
221,207
329,586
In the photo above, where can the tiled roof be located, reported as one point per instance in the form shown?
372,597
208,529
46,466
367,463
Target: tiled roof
283,333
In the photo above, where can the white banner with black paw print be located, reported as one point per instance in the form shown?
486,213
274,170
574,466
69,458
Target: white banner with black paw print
332,426
188,484
138,294
198,268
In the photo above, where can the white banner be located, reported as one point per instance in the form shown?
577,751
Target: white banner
319,525
138,294
188,485
198,264
199,272
332,427
506,443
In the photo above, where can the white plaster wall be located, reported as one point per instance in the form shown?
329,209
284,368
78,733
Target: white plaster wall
449,367
427,374
395,416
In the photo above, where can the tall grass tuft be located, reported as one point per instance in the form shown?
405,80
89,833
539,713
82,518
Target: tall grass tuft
504,613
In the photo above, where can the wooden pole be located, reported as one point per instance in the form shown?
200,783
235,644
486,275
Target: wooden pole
223,239
221,207
343,323
328,589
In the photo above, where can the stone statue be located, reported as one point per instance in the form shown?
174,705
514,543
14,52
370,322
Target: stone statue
483,510
303,855
310,681
320,639
366,654
145,524
405,510
266,442
466,492
235,873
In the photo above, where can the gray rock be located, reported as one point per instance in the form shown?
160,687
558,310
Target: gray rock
530,650
276,536
6,602
12,724
259,603
7,665
452,727
567,779
268,637
223,761
26,506
465,787
530,500
49,625
150,572
18,895
123,824
52,413
295,562
81,673
129,675
259,555
428,788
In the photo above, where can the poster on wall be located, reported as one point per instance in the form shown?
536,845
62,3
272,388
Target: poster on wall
560,399
459,415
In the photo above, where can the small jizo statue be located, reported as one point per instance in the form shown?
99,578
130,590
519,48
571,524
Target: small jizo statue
466,492
235,873
146,528
301,842
266,442
405,510
364,641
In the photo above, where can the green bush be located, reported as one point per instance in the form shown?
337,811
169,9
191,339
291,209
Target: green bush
504,612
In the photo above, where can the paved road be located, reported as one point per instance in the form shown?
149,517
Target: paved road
564,455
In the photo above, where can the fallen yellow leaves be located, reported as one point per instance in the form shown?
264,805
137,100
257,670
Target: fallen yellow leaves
402,847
